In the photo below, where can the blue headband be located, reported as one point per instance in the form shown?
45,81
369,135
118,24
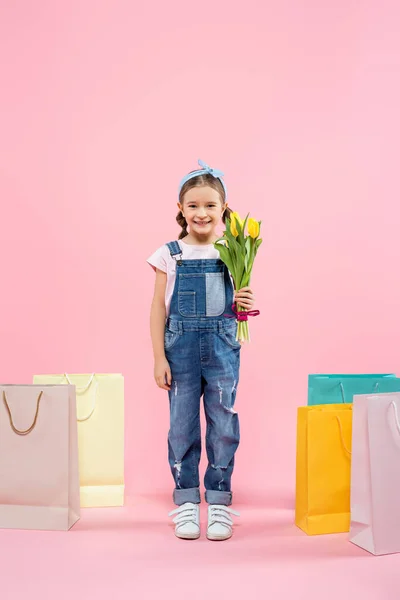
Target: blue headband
204,171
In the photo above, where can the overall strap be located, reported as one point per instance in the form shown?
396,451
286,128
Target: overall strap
174,248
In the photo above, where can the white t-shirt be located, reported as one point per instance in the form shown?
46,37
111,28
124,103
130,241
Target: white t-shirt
162,259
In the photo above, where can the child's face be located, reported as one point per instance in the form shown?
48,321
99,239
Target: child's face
202,209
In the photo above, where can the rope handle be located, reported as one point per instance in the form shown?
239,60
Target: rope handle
82,390
22,431
396,416
341,436
342,390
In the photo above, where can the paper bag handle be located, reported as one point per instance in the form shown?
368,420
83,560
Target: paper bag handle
82,390
342,390
20,431
341,436
396,415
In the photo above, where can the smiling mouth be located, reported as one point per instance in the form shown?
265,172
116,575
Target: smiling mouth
202,222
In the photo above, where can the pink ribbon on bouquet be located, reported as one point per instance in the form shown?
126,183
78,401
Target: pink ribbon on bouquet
242,315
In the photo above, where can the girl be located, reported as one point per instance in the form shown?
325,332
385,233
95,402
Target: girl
196,353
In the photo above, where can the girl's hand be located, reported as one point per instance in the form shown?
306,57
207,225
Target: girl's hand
245,298
162,374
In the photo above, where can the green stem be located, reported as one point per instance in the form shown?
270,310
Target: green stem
243,327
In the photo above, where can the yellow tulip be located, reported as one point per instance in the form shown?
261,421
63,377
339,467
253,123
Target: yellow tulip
235,217
253,228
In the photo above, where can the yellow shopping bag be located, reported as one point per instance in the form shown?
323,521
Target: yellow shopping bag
100,414
323,468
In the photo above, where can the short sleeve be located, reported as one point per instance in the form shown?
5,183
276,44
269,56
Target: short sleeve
158,260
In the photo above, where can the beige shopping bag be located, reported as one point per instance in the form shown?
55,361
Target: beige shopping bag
39,478
100,414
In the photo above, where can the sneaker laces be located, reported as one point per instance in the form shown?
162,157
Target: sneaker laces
221,514
186,513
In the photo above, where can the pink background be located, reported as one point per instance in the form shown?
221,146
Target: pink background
106,105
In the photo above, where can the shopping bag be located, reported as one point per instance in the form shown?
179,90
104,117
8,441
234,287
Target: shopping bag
39,479
340,388
323,468
100,410
375,473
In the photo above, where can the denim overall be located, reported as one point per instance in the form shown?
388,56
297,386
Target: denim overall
204,356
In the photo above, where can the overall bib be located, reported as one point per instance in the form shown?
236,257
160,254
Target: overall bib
204,356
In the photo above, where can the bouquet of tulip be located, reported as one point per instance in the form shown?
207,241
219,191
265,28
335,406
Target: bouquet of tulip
238,252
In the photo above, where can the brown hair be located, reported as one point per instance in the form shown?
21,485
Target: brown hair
199,181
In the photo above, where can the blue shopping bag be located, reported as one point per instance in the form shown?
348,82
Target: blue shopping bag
340,388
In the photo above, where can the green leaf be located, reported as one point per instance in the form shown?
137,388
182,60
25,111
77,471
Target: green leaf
221,239
234,249
225,256
255,244
253,255
245,222
240,270
241,230
235,255
238,226
226,253
248,250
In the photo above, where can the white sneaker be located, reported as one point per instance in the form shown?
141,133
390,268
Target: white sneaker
219,522
187,521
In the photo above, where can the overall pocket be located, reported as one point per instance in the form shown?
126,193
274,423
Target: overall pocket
215,294
229,337
187,304
201,294
170,338
188,287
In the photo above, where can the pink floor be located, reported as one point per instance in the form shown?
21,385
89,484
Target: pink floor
132,553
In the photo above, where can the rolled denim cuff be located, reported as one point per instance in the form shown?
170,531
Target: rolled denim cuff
216,497
181,496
